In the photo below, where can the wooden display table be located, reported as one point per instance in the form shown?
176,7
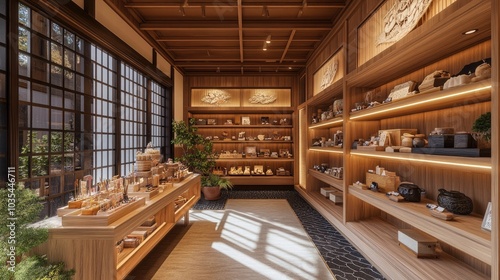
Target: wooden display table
91,250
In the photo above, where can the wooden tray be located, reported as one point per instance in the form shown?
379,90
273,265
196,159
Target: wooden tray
76,219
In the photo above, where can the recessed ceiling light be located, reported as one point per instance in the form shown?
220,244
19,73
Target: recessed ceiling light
268,39
264,48
289,67
468,32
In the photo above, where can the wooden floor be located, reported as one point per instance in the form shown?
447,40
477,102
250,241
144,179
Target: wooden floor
250,239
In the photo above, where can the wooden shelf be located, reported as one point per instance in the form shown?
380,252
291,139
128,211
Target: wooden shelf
323,205
477,164
379,242
334,122
328,95
251,141
246,160
260,180
463,233
209,126
338,183
337,150
456,96
241,110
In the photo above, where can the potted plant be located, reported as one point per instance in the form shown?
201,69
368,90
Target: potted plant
213,184
482,130
198,156
20,208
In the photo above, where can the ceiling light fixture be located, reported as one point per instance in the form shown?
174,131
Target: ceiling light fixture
264,47
468,32
185,3
181,10
268,39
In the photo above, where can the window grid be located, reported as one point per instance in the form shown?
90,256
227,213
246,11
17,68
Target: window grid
50,107
133,116
158,116
68,109
104,69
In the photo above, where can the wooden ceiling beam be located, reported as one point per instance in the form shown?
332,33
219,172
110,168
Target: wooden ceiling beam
233,25
240,30
233,39
235,48
232,4
232,62
287,45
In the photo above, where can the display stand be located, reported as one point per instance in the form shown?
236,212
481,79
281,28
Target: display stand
91,249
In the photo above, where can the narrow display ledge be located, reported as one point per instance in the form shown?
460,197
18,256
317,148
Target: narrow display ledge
338,183
335,150
478,164
330,93
379,241
333,122
252,141
463,232
263,180
423,102
243,126
241,110
246,160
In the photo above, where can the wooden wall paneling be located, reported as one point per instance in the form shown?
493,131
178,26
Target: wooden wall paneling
495,157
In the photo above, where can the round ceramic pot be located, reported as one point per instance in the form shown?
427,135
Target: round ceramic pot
418,142
455,202
211,193
407,141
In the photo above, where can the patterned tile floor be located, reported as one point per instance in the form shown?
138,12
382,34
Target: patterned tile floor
342,258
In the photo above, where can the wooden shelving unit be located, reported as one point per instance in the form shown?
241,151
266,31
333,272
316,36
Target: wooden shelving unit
255,128
80,246
368,219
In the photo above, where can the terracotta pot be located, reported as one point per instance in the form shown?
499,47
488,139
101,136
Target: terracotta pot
211,193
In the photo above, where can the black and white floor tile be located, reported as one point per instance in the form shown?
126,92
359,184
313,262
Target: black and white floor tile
343,259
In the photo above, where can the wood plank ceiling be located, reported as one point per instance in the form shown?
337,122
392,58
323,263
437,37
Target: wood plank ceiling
229,36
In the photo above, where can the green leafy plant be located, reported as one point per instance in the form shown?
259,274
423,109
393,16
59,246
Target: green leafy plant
197,152
20,207
213,180
482,126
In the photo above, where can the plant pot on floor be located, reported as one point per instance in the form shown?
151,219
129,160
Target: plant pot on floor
211,193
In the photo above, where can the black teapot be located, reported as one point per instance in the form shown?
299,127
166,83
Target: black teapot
455,202
409,191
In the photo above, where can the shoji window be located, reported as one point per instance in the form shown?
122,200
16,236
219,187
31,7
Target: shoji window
104,106
51,105
133,116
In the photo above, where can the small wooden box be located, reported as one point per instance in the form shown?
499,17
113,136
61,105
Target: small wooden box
419,243
326,191
336,197
441,141
385,183
464,141
395,134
